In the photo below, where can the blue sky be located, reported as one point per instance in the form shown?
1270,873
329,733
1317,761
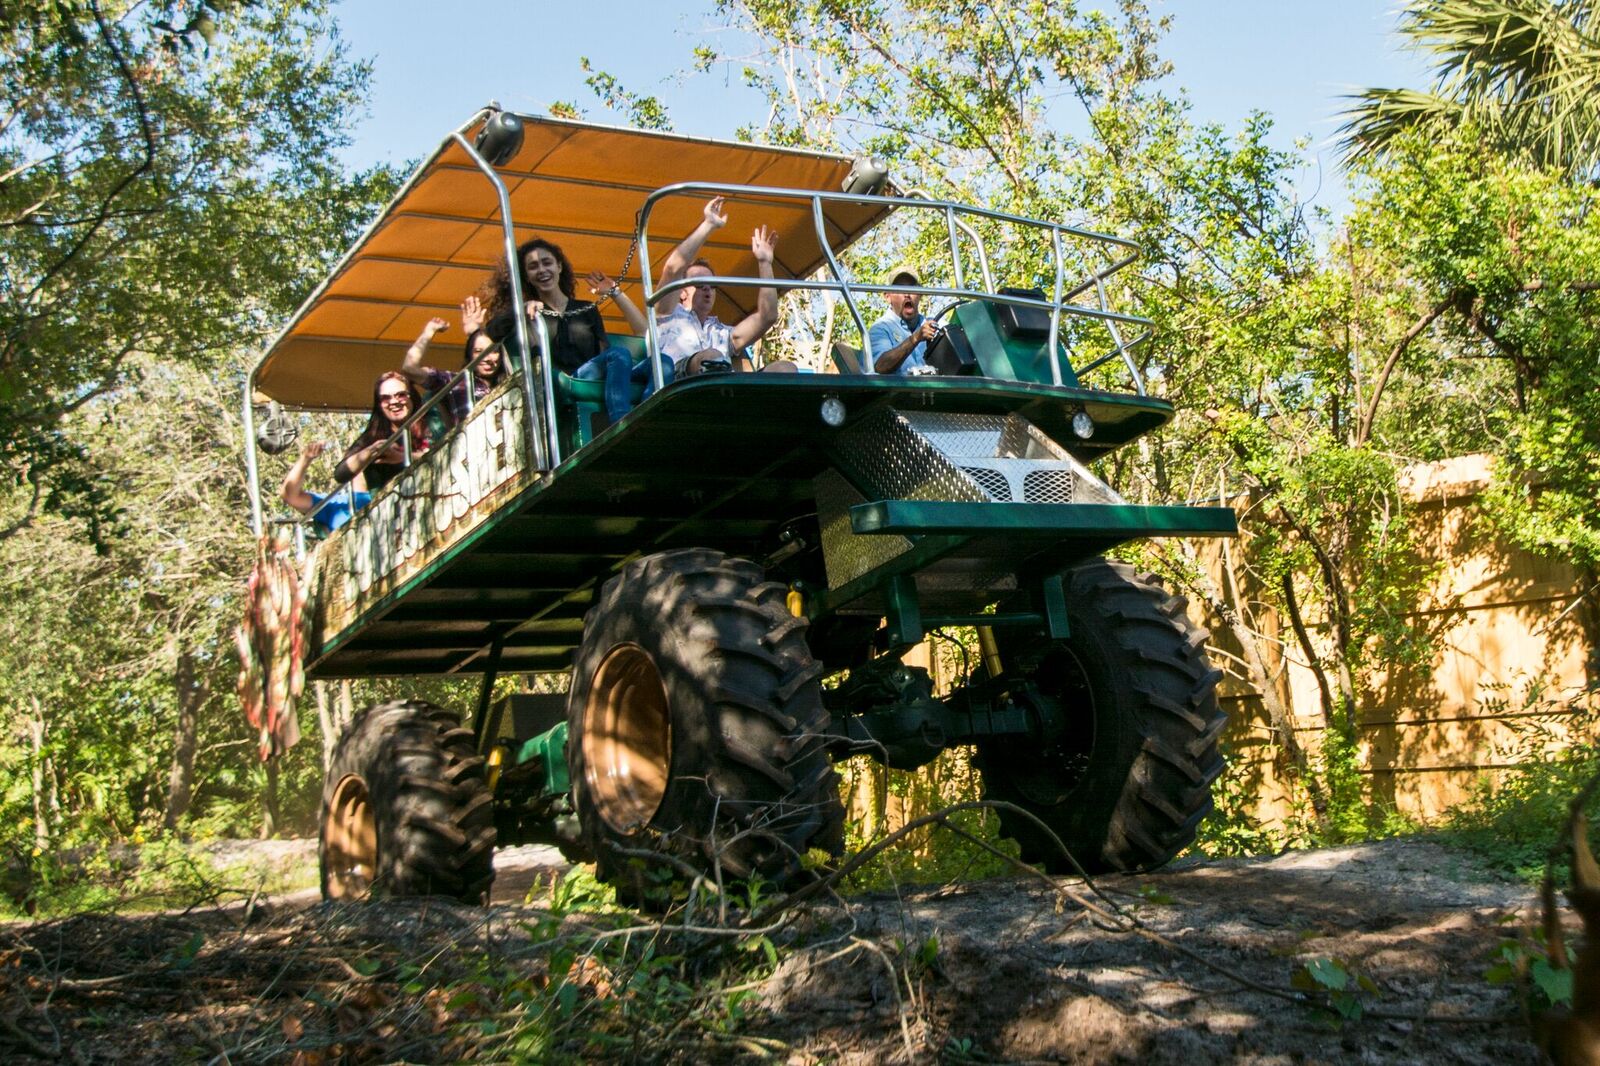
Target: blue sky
1291,58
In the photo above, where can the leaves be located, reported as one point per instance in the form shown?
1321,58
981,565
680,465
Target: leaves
1339,985
157,201
1525,72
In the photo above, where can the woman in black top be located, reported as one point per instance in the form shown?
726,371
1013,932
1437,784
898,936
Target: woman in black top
578,342
393,400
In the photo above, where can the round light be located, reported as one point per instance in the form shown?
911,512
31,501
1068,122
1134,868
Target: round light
833,411
1083,425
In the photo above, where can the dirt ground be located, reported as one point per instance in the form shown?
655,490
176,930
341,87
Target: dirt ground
1006,970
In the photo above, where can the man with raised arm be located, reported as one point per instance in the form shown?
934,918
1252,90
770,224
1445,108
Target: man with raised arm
695,339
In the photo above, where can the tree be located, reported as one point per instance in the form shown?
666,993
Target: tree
1525,72
169,183
1294,373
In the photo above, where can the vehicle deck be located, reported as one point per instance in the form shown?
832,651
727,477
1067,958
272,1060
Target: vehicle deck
722,461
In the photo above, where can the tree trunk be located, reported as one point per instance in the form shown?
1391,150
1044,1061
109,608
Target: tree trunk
1589,619
41,805
1279,713
346,709
269,802
325,722
192,691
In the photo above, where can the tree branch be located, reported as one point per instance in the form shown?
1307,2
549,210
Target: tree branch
104,213
1370,413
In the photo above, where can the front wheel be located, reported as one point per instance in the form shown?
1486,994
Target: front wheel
696,729
1126,784
405,808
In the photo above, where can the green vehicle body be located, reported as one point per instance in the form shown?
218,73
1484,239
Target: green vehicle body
786,470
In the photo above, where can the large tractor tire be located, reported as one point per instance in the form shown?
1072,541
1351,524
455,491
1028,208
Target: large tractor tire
405,808
1126,786
695,730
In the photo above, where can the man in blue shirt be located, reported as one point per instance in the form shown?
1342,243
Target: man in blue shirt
899,339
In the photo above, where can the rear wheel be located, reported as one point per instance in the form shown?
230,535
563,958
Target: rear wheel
405,808
1127,783
695,725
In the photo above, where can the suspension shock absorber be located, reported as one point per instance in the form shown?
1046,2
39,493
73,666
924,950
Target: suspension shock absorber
990,648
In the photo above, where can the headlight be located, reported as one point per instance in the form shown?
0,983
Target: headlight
1082,425
833,411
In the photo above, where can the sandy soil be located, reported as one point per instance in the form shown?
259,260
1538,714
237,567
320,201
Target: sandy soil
1018,973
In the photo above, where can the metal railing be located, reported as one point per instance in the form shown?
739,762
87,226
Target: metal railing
463,378
955,218
543,433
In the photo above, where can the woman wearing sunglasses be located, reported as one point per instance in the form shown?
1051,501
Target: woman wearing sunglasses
393,400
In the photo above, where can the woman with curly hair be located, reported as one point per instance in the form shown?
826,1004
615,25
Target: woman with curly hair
578,342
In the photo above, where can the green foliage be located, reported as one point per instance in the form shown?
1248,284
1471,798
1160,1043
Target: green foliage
616,995
932,854
1522,69
577,892
159,874
1512,822
1336,985
1525,961
166,186
1233,829
170,189
645,112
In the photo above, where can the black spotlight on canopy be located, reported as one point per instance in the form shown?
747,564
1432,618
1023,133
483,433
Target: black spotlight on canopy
867,177
500,139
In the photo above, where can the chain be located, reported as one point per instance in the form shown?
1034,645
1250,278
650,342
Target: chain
627,260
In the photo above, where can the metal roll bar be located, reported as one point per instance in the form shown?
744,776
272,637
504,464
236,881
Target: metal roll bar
955,223
541,438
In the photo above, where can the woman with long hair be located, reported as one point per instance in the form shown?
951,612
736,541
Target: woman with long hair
578,342
393,400
487,372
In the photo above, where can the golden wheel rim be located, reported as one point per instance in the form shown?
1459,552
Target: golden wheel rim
350,840
627,739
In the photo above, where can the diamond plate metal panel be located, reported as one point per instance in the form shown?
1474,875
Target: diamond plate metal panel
936,455
897,462
846,554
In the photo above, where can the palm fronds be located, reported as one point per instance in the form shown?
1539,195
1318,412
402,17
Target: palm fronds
1526,72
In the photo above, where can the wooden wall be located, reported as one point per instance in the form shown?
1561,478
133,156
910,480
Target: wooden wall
1516,653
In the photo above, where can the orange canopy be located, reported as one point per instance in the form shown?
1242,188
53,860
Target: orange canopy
577,184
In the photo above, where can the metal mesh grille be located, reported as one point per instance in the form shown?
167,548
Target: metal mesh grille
1049,486
990,480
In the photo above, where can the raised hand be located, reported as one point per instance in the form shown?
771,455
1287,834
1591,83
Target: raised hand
435,324
473,315
599,283
713,213
762,242
313,449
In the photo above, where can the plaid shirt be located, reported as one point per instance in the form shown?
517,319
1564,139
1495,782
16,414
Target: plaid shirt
453,410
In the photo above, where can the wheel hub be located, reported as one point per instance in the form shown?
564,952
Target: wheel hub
627,739
350,840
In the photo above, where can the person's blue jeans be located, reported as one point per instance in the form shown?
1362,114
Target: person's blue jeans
620,372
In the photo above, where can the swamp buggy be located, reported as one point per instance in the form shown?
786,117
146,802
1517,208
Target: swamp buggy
732,573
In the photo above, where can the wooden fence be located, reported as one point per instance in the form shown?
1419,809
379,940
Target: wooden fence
1513,675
